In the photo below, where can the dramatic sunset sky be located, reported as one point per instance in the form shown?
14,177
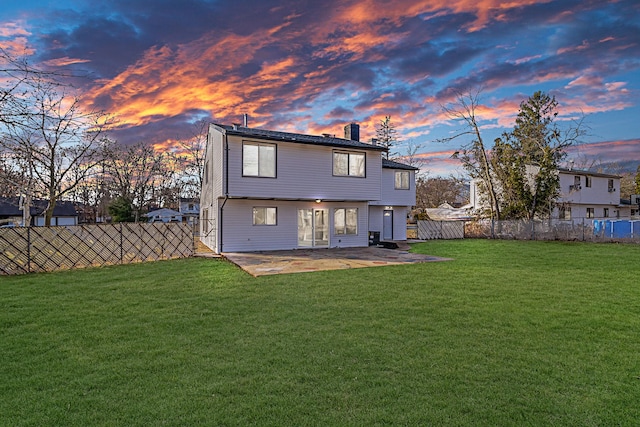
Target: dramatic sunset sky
312,66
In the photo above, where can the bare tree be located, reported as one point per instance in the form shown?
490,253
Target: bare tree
132,172
55,137
432,192
474,154
45,132
410,156
191,158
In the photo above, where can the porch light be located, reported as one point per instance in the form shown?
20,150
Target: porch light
318,200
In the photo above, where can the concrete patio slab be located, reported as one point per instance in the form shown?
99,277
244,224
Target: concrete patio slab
306,260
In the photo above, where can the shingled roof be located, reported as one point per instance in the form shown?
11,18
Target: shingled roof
296,137
10,206
390,164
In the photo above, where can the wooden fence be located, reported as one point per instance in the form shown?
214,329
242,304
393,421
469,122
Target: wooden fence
430,230
39,249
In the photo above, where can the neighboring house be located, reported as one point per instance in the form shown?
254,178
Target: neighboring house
267,190
583,195
164,215
11,212
190,210
589,195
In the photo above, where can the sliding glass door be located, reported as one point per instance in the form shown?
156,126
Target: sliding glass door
313,228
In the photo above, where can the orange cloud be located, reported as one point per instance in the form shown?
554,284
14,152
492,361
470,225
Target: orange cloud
61,62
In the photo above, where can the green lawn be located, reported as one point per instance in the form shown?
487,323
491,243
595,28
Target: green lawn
509,333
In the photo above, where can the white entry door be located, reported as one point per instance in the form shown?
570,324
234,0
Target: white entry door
313,228
387,225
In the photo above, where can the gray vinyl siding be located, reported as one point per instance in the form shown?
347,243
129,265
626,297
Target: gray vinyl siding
304,171
240,235
217,164
212,189
375,218
376,213
392,197
399,223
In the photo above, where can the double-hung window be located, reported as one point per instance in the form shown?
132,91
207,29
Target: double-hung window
346,163
259,159
265,216
402,180
345,221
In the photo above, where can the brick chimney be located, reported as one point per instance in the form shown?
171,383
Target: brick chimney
352,132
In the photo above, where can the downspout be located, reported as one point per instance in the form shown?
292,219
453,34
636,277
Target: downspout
226,189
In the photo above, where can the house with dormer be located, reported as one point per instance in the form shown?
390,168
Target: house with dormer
271,190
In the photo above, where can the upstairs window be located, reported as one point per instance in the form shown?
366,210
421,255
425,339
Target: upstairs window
348,164
402,180
565,213
591,212
587,181
610,186
606,213
259,159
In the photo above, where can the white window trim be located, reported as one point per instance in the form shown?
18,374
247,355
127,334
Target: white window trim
275,159
343,230
264,215
395,181
349,154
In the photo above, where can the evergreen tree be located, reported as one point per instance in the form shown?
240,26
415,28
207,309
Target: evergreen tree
387,136
526,160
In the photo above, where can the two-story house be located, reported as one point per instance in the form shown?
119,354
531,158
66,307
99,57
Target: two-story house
589,195
584,195
190,210
268,190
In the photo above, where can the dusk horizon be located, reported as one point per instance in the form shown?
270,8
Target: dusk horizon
298,66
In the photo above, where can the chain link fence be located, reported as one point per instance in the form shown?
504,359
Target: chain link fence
40,249
582,229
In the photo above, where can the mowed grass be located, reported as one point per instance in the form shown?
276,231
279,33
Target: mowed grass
509,333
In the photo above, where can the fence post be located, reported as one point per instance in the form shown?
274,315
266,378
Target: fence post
533,229
29,249
493,228
121,246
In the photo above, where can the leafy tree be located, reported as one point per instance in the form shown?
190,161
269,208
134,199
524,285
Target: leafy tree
121,210
526,160
387,136
637,181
